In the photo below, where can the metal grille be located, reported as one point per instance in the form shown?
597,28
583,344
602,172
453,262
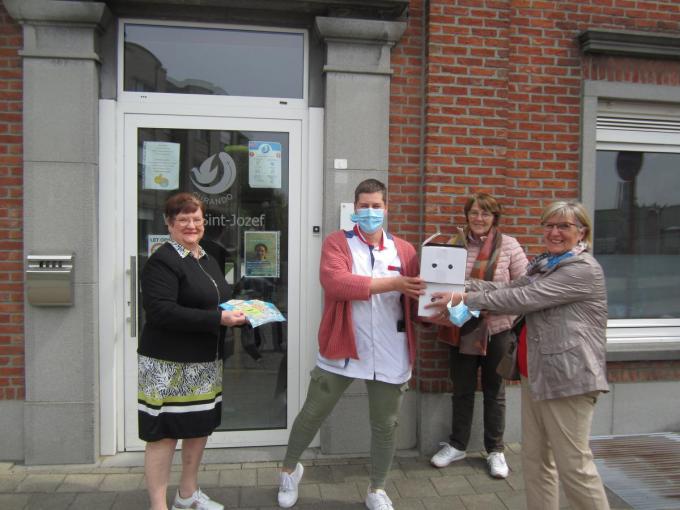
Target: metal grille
642,470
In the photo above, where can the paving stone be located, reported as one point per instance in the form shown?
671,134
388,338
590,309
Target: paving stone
514,447
50,501
258,465
13,501
80,483
340,492
516,481
513,500
484,483
6,466
458,468
258,496
309,494
483,502
122,482
419,469
209,478
330,505
9,482
114,470
443,503
415,488
95,501
396,473
348,473
410,504
317,474
268,476
220,467
453,486
40,483
133,500
238,478
514,461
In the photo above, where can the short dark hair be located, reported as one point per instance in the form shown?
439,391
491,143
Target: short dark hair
182,203
370,186
261,244
486,203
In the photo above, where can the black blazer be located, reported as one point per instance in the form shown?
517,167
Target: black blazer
180,297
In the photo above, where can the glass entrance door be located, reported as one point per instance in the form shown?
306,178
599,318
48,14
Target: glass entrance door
247,172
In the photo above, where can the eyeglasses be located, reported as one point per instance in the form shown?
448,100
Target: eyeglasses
480,214
562,227
183,222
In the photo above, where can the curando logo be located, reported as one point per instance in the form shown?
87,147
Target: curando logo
215,175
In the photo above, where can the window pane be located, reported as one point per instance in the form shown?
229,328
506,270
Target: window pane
637,232
184,60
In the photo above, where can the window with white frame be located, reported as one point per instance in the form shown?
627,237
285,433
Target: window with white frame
637,210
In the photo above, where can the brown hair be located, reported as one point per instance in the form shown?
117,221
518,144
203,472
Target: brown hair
182,203
486,203
370,186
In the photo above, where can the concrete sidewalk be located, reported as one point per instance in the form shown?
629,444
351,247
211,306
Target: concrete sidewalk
328,483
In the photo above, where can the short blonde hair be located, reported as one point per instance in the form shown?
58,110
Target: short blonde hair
574,211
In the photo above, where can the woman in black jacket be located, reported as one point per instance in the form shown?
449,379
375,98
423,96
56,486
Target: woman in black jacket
180,355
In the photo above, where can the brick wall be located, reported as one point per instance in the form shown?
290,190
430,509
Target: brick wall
11,204
501,113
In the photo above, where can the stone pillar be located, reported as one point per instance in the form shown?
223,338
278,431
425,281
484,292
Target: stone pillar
61,93
357,107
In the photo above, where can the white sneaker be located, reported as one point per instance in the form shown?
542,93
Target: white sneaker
446,455
378,500
197,501
288,486
497,465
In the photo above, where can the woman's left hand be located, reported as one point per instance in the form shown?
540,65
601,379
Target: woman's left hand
232,318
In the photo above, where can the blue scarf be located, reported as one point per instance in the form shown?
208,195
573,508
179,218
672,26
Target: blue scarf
546,261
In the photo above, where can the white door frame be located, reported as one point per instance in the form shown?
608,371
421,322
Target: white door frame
117,372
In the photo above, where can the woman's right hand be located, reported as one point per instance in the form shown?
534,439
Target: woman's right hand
232,318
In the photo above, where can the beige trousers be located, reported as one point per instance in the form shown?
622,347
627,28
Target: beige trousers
555,437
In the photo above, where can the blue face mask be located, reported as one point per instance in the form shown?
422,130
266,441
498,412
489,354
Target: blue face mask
368,219
460,314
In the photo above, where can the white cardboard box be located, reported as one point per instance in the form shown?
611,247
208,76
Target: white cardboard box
442,267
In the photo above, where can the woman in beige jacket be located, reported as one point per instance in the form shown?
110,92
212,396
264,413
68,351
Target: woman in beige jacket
561,356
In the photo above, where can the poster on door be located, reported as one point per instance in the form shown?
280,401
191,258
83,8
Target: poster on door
262,254
264,164
160,165
155,241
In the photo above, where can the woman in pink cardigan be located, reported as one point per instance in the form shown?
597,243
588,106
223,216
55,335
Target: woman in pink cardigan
499,258
369,278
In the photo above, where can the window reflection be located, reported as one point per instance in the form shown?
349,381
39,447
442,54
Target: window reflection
185,60
637,232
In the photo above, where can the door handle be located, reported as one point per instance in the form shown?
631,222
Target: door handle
133,296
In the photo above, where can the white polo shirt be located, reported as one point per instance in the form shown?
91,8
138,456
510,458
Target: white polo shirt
382,349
